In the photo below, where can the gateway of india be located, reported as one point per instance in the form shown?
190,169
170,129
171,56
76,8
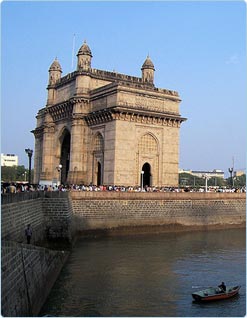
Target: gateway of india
100,127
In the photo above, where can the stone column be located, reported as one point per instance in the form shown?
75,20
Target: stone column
77,165
48,154
37,155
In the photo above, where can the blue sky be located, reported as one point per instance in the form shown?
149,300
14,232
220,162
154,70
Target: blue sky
198,49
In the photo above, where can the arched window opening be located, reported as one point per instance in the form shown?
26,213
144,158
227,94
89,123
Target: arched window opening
98,174
148,154
98,159
98,143
147,145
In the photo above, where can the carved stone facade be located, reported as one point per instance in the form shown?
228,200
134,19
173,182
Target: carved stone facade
106,128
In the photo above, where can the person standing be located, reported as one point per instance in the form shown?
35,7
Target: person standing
28,233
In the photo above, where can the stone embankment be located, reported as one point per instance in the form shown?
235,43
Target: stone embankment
29,271
111,211
28,274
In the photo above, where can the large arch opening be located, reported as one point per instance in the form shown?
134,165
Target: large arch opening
146,168
65,156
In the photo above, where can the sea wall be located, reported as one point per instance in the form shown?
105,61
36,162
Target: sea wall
28,273
15,217
105,211
48,213
58,215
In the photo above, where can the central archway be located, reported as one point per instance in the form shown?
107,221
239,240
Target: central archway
65,156
147,174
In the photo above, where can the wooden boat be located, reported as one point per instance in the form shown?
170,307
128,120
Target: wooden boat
215,293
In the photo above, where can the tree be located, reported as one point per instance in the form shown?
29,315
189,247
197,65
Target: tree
187,179
238,182
12,174
216,181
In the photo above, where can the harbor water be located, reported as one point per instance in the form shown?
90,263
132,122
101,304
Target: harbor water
151,275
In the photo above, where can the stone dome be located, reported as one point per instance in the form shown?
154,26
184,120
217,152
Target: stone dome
55,66
148,64
85,50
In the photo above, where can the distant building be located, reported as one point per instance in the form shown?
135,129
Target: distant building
200,174
239,173
9,160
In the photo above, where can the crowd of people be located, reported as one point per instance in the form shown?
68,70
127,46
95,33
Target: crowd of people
20,187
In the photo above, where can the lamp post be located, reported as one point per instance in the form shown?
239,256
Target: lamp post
142,173
29,152
231,171
206,182
59,169
25,176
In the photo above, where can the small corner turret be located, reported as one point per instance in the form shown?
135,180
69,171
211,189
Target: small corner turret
84,57
148,71
55,72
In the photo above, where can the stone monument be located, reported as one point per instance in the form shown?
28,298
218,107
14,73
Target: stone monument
103,127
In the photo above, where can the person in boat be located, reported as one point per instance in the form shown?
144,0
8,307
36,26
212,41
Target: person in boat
222,286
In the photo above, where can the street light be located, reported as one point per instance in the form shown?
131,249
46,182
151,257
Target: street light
29,152
59,169
231,171
25,176
142,173
206,182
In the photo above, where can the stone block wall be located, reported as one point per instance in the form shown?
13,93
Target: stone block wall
96,211
28,273
57,218
15,217
61,215
49,215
